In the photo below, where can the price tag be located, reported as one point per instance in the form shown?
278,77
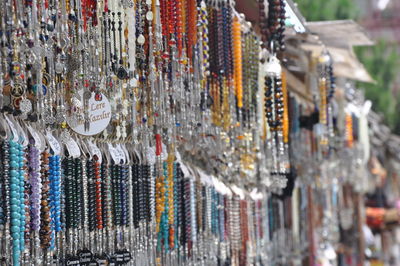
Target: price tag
112,261
121,153
127,256
73,148
13,129
205,179
127,157
151,155
178,156
35,136
72,260
114,153
164,153
53,142
102,260
43,143
119,257
23,135
95,150
85,256
185,170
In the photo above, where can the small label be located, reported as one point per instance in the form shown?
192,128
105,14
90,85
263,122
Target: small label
164,153
13,129
102,260
119,257
114,153
123,147
127,256
151,155
112,261
121,153
54,144
35,136
178,156
93,263
24,136
72,261
85,256
95,150
185,170
73,148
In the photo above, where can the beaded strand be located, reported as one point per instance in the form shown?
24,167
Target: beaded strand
54,194
45,223
35,182
17,206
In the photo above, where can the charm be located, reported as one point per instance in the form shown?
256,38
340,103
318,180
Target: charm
121,73
17,90
25,106
46,79
98,97
87,95
273,67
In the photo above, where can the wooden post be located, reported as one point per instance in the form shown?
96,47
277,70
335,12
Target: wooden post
361,221
311,246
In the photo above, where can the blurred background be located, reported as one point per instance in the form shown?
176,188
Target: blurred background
381,19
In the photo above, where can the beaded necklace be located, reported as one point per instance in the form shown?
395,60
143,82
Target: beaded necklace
237,60
91,188
35,182
17,206
106,196
170,199
2,189
5,205
54,195
45,237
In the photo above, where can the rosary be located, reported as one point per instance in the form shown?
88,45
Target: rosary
98,101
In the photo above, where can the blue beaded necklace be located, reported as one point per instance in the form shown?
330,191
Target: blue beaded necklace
55,199
17,202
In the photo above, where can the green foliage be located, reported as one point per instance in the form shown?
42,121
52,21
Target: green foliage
316,10
382,61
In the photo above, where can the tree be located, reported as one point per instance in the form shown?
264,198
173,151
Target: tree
316,10
382,62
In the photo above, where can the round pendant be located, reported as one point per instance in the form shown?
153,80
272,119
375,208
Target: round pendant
60,117
149,16
121,73
17,90
25,106
99,115
59,68
87,95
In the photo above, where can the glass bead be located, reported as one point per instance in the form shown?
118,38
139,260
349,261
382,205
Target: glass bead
16,240
15,229
141,40
149,16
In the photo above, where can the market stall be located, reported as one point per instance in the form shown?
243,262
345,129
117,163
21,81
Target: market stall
177,133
